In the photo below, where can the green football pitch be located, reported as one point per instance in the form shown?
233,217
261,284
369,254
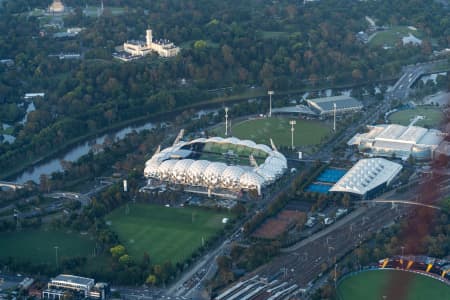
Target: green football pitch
165,233
376,285
38,246
306,132
393,35
433,116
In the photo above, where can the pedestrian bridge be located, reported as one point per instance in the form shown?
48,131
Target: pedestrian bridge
11,185
393,202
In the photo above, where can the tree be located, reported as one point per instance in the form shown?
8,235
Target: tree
125,259
151,279
117,251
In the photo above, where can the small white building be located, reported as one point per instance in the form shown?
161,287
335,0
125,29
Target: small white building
163,47
34,95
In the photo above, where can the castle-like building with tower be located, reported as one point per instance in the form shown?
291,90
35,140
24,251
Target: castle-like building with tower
163,47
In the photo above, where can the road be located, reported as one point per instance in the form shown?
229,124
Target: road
410,75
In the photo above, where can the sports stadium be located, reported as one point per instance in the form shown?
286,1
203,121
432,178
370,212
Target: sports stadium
217,163
426,278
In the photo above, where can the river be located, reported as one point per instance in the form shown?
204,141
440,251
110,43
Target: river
54,165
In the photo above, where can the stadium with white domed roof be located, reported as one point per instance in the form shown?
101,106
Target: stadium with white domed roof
216,163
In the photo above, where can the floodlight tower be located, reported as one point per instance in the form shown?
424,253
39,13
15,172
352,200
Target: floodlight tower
56,255
292,122
334,119
270,93
226,121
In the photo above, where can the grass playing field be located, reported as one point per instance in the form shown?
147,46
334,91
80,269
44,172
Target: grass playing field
394,34
37,246
433,116
373,285
165,233
306,132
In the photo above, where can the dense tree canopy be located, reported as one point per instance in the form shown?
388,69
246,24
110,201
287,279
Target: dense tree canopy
281,45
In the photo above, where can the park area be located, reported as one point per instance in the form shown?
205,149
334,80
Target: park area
375,285
433,116
261,130
393,35
38,246
165,233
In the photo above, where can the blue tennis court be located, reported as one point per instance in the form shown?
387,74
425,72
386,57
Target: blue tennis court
318,188
331,175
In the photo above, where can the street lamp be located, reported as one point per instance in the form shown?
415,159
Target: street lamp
270,93
292,122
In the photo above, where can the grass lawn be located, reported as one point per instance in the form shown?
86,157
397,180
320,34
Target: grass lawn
306,132
373,285
165,233
433,116
37,246
391,36
92,11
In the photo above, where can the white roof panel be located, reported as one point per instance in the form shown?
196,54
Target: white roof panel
366,175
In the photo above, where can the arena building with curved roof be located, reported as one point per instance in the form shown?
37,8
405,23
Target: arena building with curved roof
182,164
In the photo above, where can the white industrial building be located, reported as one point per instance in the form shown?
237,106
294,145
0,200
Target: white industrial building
322,107
368,177
176,165
83,286
326,106
397,141
163,47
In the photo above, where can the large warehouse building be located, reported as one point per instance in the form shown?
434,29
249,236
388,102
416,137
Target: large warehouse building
325,106
322,107
182,164
391,140
368,177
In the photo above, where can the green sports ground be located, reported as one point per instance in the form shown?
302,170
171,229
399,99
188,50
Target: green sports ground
393,35
433,116
374,285
38,246
260,130
165,233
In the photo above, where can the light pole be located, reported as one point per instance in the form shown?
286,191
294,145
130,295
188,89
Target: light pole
335,274
334,119
270,93
56,255
292,122
226,121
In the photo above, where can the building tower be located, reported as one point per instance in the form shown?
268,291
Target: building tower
226,121
149,37
56,7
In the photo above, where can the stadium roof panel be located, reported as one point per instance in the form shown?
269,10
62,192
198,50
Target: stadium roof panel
366,175
166,166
